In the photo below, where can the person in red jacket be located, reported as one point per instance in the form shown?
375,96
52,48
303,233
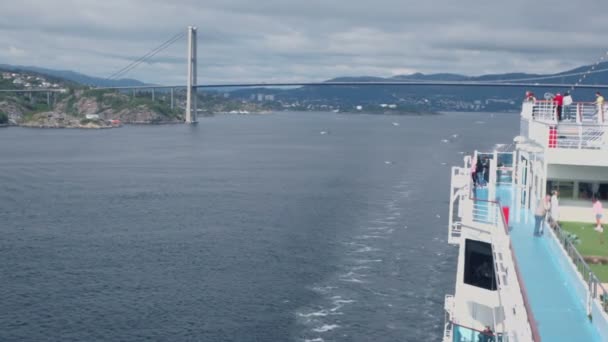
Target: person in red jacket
559,102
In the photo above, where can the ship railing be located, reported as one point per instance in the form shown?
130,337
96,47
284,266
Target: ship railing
496,217
569,135
460,182
449,312
590,137
594,285
489,215
462,333
579,112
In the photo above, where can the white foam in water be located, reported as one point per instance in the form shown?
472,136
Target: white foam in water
339,300
352,280
377,229
318,339
365,261
366,249
366,237
326,327
323,289
321,313
338,303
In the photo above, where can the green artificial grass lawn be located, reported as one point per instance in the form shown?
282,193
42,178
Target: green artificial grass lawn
601,272
589,239
589,244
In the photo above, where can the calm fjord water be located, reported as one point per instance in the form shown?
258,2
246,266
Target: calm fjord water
243,228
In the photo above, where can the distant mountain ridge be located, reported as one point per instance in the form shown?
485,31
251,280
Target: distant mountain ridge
434,98
437,98
592,78
103,82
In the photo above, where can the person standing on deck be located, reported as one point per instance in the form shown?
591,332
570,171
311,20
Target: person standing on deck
530,97
555,207
474,172
479,171
599,212
567,102
486,171
599,102
559,103
547,203
539,217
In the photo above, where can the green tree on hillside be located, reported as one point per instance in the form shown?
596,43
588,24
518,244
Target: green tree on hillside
3,118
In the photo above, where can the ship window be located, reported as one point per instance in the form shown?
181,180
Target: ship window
566,188
586,190
478,265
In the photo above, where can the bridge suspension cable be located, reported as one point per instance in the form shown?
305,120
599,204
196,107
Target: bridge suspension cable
116,75
590,71
552,76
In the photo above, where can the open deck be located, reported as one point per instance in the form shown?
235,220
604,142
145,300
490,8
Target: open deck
553,294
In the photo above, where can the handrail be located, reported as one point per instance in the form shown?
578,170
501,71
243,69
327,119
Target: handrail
574,124
531,319
493,334
592,280
573,103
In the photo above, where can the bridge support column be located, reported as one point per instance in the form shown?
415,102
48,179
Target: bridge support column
172,103
191,102
152,94
48,99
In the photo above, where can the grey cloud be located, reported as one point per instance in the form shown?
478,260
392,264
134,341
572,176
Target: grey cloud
243,40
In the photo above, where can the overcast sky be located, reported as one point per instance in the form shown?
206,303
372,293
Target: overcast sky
305,40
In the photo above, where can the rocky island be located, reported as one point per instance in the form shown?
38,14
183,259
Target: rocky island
71,105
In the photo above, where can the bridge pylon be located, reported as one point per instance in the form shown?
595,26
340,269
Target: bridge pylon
191,98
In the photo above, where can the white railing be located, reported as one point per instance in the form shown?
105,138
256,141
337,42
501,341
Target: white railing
460,183
544,111
485,212
579,112
581,137
569,135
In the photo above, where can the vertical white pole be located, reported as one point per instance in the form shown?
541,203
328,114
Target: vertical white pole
492,178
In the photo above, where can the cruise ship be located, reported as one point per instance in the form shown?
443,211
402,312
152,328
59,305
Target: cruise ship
513,284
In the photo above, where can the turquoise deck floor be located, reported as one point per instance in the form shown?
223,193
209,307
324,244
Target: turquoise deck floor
559,314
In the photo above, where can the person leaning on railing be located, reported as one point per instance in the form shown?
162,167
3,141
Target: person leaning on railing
487,335
559,104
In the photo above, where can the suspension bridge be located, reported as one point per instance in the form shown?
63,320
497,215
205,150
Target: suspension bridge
191,86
